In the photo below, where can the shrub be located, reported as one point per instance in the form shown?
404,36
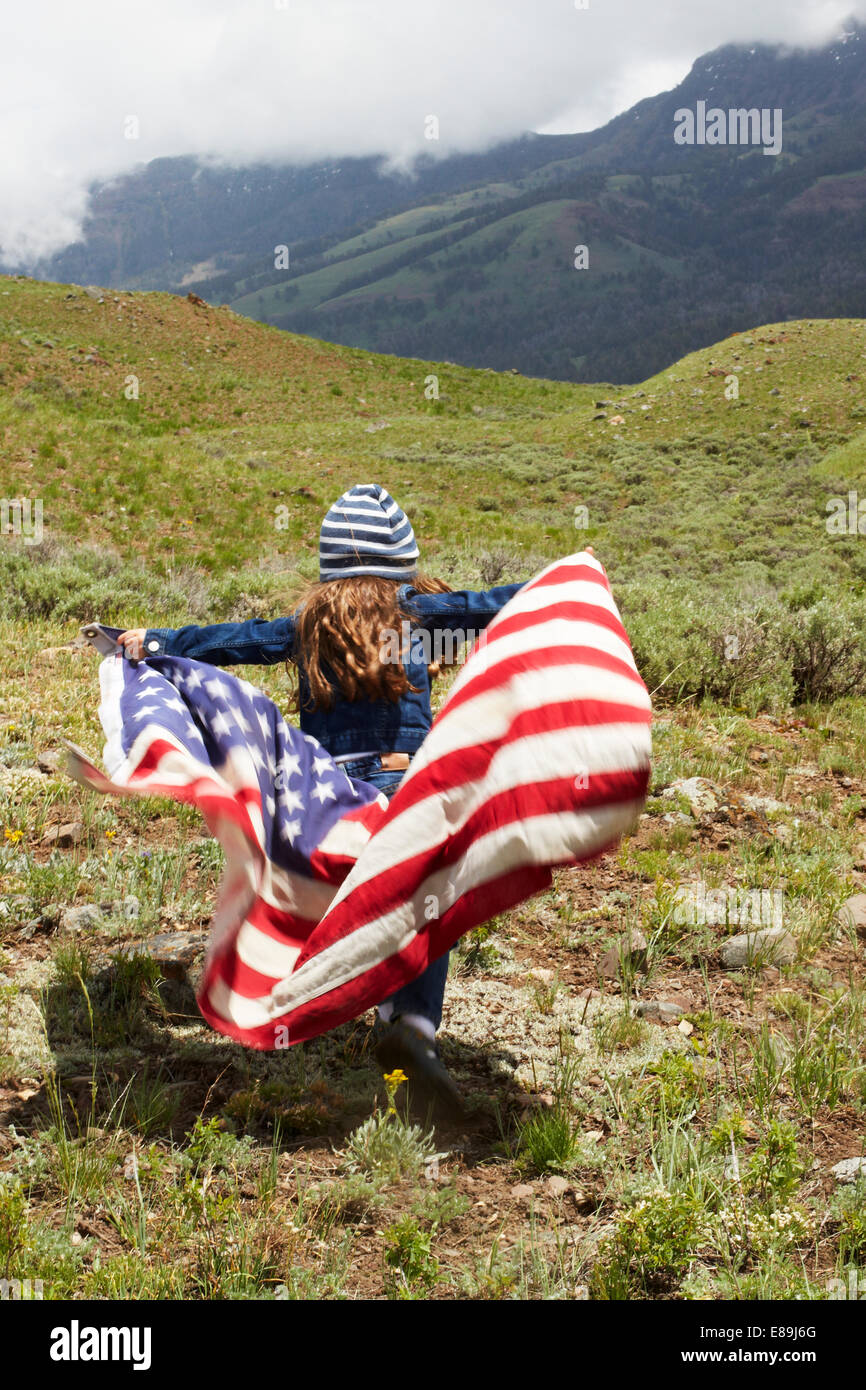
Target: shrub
849,1207
827,647
651,1247
754,651
775,1168
548,1140
13,1224
387,1147
412,1269
61,583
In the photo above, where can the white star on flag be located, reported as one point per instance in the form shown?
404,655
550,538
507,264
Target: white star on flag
290,830
292,764
323,791
240,719
216,690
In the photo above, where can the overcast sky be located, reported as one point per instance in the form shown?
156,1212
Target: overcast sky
299,80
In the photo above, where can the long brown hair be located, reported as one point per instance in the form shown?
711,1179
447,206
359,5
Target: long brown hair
339,632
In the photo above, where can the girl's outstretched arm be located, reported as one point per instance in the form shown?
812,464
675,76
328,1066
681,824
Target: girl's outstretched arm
460,608
457,608
254,642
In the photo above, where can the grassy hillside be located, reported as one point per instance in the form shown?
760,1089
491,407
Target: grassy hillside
663,1128
207,376
719,469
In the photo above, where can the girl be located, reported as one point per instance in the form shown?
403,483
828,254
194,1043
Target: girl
364,693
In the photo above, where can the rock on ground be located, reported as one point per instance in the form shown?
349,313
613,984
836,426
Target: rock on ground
64,836
849,1170
774,946
764,805
88,916
51,761
659,1011
853,913
174,951
703,796
632,946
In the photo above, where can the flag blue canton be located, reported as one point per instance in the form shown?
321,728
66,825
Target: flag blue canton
235,730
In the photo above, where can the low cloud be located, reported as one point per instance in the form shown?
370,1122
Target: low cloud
89,91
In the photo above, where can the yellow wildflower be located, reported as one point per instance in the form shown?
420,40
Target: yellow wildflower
393,1079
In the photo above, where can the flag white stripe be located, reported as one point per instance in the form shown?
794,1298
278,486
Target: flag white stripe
580,557
535,598
264,953
237,1008
428,823
298,894
538,640
347,837
503,850
488,715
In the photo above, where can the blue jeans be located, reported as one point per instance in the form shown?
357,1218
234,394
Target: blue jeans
423,996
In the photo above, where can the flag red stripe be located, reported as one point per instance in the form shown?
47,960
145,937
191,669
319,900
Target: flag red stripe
518,664
593,615
463,765
382,894
562,573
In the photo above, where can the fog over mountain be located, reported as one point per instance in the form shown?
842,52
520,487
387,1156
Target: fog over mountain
738,197
91,91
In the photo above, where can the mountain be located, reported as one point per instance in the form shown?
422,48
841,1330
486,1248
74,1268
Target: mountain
473,258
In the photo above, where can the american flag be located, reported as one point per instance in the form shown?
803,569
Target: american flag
332,899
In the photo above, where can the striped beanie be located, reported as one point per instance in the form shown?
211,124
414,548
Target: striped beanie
365,532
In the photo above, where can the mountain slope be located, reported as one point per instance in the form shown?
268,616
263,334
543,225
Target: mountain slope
473,259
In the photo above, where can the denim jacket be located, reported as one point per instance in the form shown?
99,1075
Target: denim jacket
350,726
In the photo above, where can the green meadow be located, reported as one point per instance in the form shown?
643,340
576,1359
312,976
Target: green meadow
165,461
